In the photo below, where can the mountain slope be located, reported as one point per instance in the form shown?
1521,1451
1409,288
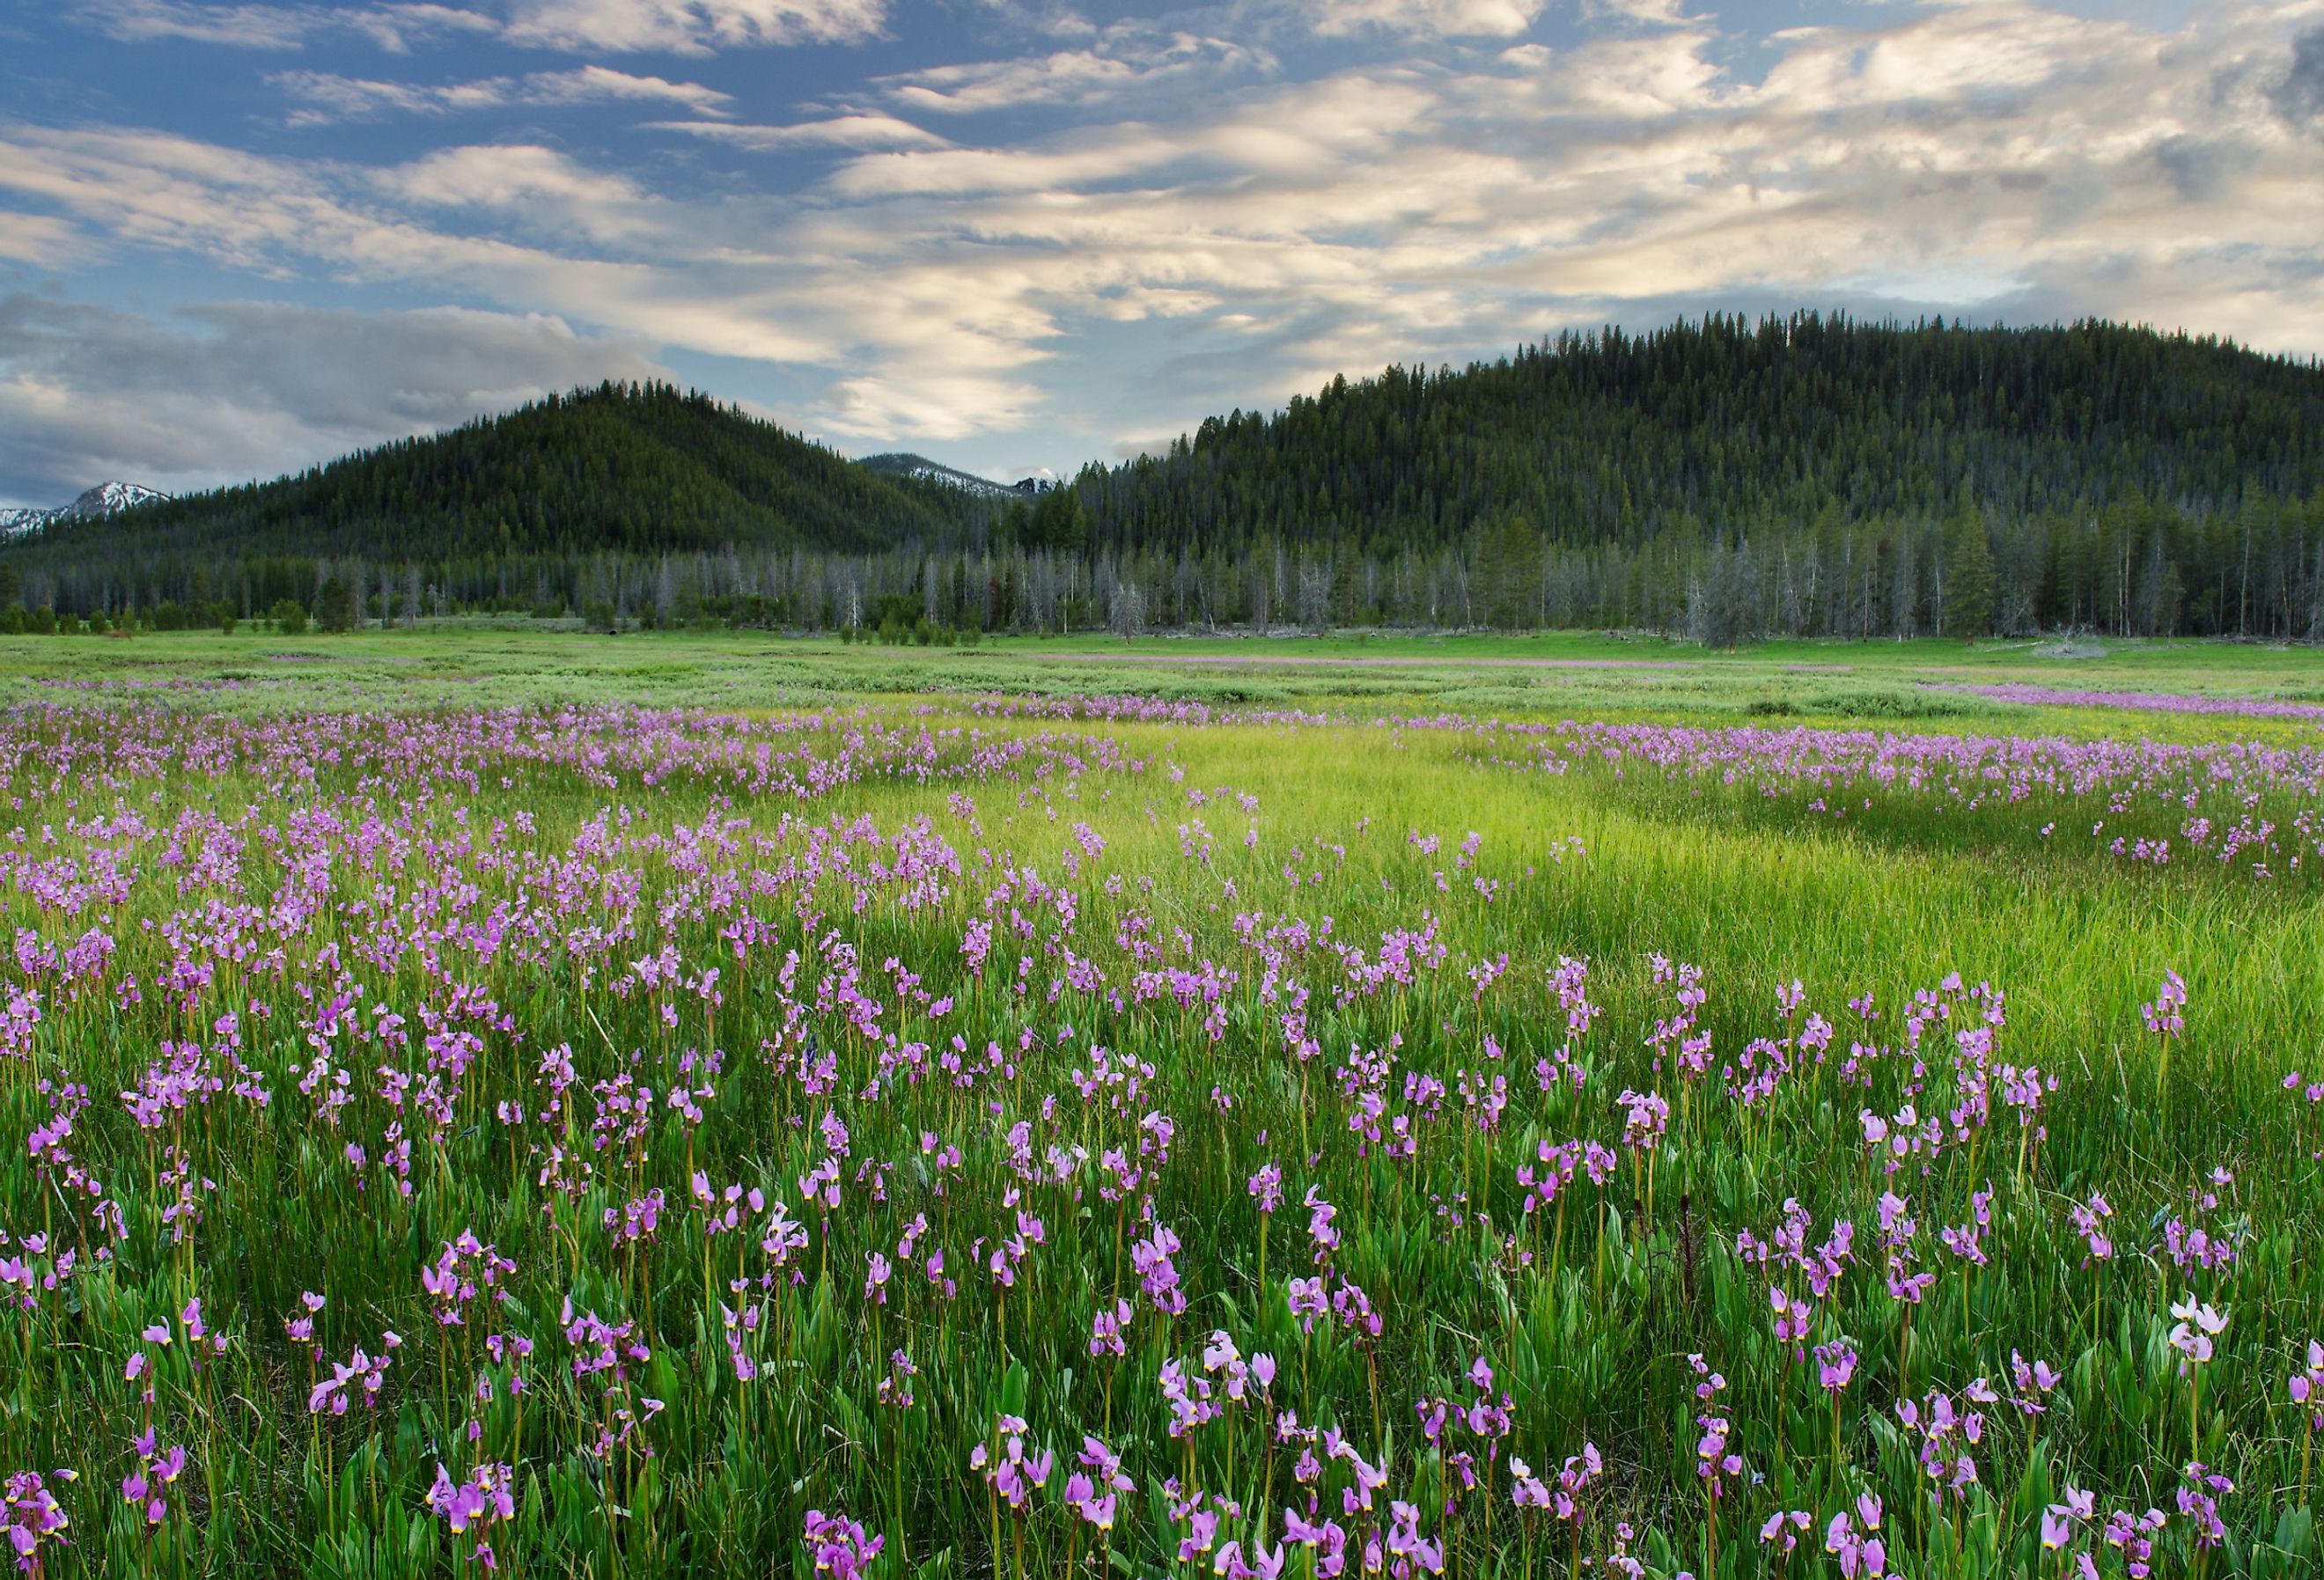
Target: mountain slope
93,504
902,463
630,469
1613,439
1811,475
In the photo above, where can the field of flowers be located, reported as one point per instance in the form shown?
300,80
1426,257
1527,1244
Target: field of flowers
1093,1135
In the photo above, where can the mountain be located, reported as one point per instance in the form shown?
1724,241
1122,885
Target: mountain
1808,474
104,500
901,463
1725,426
625,468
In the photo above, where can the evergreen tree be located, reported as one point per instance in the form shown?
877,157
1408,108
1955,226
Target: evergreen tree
1808,474
335,606
1969,575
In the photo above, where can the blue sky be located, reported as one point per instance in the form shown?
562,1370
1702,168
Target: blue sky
239,238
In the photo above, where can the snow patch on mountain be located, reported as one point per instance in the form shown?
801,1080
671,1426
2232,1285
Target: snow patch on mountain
904,464
94,504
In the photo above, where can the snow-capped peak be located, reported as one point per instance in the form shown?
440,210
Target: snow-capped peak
899,464
108,497
94,504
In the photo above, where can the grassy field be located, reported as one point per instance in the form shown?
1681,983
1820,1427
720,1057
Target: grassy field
499,663
676,1106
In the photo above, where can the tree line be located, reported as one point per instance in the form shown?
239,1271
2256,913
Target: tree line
1805,475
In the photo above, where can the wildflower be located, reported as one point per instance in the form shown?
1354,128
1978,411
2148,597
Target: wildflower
35,1518
1011,1474
1782,1530
1092,1490
1527,1490
1266,1188
484,1499
2163,1017
2306,1387
1861,1551
2191,1335
839,1544
2089,1219
156,1470
2058,1520
2033,1384
2198,1499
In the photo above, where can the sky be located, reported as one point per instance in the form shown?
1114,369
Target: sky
238,238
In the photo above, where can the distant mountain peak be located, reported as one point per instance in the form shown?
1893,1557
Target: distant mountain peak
108,497
903,464
630,469
94,504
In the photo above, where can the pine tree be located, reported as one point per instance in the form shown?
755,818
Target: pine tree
335,606
1968,575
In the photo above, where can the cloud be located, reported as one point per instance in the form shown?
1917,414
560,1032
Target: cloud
2299,97
220,392
594,248
38,238
858,132
601,84
1444,18
507,176
392,27
1131,57
691,27
1187,229
686,27
325,96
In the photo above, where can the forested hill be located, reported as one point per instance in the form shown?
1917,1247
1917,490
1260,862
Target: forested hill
1808,475
627,469
1731,427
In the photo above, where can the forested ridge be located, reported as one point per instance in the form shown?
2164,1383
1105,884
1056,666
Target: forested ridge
1810,475
621,472
1618,438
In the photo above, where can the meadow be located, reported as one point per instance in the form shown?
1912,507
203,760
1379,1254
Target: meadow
487,1100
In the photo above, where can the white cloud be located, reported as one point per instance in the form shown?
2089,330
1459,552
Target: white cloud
1444,18
507,176
691,26
260,26
237,389
859,132
700,289
1129,58
327,96
688,27
1240,235
38,238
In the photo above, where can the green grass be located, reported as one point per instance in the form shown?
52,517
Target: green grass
249,852
514,662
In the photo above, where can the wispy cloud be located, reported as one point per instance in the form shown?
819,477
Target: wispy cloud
845,131
1442,18
685,27
1122,60
259,26
1122,237
325,96
691,26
